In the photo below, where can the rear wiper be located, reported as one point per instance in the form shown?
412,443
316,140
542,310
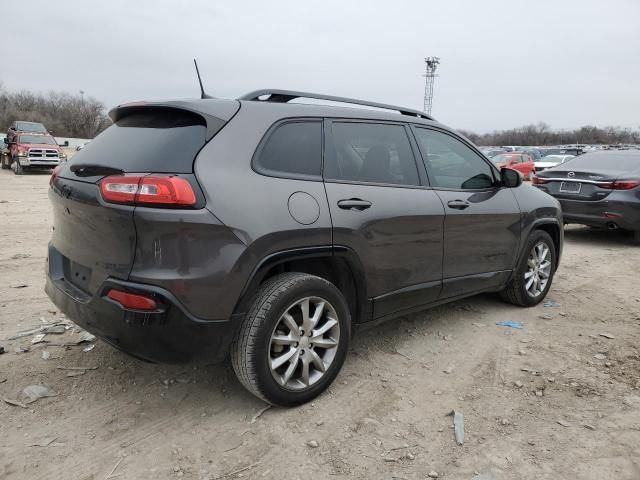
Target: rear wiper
92,170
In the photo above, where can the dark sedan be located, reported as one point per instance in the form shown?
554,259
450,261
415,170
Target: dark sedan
599,189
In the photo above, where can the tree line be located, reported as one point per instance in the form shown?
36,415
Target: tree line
542,134
64,114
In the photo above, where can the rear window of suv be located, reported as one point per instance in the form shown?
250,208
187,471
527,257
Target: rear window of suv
154,140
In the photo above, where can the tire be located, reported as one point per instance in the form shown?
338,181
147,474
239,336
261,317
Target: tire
19,170
517,292
257,344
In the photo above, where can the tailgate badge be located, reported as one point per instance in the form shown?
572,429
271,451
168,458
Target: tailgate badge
571,174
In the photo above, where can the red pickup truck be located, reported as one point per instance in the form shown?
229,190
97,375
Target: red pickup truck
32,150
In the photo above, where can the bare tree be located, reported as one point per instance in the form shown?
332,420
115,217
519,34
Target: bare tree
541,134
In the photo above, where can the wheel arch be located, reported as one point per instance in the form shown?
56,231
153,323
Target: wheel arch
338,265
555,231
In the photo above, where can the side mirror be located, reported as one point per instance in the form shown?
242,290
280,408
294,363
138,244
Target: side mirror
510,178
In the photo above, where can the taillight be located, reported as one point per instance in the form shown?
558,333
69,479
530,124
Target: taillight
149,190
620,184
536,180
133,301
54,174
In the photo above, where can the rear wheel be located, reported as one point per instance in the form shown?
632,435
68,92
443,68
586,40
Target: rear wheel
533,276
294,339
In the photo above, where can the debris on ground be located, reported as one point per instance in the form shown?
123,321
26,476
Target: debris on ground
550,303
563,423
432,474
312,444
46,355
21,349
510,324
88,348
38,338
47,442
600,356
77,368
33,393
546,316
2,350
259,414
458,426
607,335
449,369
76,373
18,284
14,403
56,329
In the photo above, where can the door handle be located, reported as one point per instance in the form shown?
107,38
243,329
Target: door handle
458,204
354,204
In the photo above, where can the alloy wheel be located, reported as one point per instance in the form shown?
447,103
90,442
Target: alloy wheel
304,343
538,269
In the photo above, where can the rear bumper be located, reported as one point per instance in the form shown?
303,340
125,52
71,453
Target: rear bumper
624,215
169,335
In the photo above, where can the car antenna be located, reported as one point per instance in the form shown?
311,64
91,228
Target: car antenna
202,94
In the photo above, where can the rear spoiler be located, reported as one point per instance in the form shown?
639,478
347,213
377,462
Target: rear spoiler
213,113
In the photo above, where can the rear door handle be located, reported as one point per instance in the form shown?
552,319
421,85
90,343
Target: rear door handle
458,204
354,204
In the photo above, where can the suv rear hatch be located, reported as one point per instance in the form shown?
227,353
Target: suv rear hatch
145,158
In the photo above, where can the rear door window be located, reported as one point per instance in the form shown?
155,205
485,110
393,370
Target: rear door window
157,140
292,150
451,163
370,153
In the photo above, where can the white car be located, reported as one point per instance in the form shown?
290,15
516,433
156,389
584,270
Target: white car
551,161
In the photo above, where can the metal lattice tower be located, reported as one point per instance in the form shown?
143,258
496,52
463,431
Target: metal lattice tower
431,64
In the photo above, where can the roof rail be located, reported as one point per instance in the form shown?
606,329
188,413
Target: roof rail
284,96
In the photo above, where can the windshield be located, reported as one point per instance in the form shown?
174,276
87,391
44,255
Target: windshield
33,139
31,127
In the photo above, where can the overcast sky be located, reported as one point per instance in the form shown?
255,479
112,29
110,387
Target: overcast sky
503,63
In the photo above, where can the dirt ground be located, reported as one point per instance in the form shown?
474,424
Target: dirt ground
555,400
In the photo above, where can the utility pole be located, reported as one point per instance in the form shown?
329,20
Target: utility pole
431,64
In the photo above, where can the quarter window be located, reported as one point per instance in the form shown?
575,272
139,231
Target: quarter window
372,153
292,149
451,163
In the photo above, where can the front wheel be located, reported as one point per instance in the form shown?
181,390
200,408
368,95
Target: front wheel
19,168
534,274
294,339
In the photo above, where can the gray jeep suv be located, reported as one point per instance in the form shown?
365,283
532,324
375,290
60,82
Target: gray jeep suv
269,230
